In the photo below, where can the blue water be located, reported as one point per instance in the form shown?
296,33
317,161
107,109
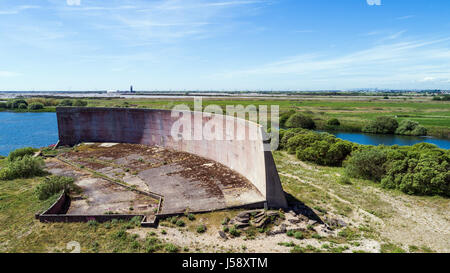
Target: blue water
389,140
18,130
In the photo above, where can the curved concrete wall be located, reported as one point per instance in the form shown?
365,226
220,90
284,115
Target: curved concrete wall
243,154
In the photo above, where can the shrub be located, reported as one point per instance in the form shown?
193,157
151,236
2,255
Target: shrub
320,148
180,223
136,221
298,235
201,229
284,117
22,106
437,98
92,223
299,120
25,167
53,185
171,248
325,152
191,217
35,106
16,103
367,164
19,153
3,105
410,128
302,140
422,169
80,103
234,232
333,122
381,125
65,102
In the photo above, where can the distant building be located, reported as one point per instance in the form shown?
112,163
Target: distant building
131,89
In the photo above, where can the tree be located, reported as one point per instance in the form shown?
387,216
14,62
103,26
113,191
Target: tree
410,128
299,120
35,106
368,164
16,103
285,116
66,102
381,125
333,122
80,103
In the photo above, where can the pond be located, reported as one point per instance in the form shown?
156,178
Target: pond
389,140
18,130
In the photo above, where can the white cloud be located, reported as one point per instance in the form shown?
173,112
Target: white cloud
395,63
73,2
18,9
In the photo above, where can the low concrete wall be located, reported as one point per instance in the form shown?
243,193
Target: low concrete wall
243,154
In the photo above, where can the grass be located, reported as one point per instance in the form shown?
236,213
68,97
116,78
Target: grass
391,248
20,232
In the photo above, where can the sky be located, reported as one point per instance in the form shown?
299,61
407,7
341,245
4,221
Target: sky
224,44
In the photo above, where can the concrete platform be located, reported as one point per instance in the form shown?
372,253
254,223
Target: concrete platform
186,181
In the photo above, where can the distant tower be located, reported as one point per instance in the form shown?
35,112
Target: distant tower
131,89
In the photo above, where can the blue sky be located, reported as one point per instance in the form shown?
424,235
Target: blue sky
224,44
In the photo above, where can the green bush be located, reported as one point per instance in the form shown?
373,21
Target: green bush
19,153
367,164
285,135
422,169
201,229
410,128
381,125
299,120
25,167
22,106
35,106
284,117
65,102
180,223
80,103
302,140
171,248
3,105
14,104
320,148
333,122
53,185
298,235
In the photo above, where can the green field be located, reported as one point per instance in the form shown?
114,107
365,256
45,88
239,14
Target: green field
353,111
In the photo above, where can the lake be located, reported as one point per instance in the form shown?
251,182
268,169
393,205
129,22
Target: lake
18,130
389,140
